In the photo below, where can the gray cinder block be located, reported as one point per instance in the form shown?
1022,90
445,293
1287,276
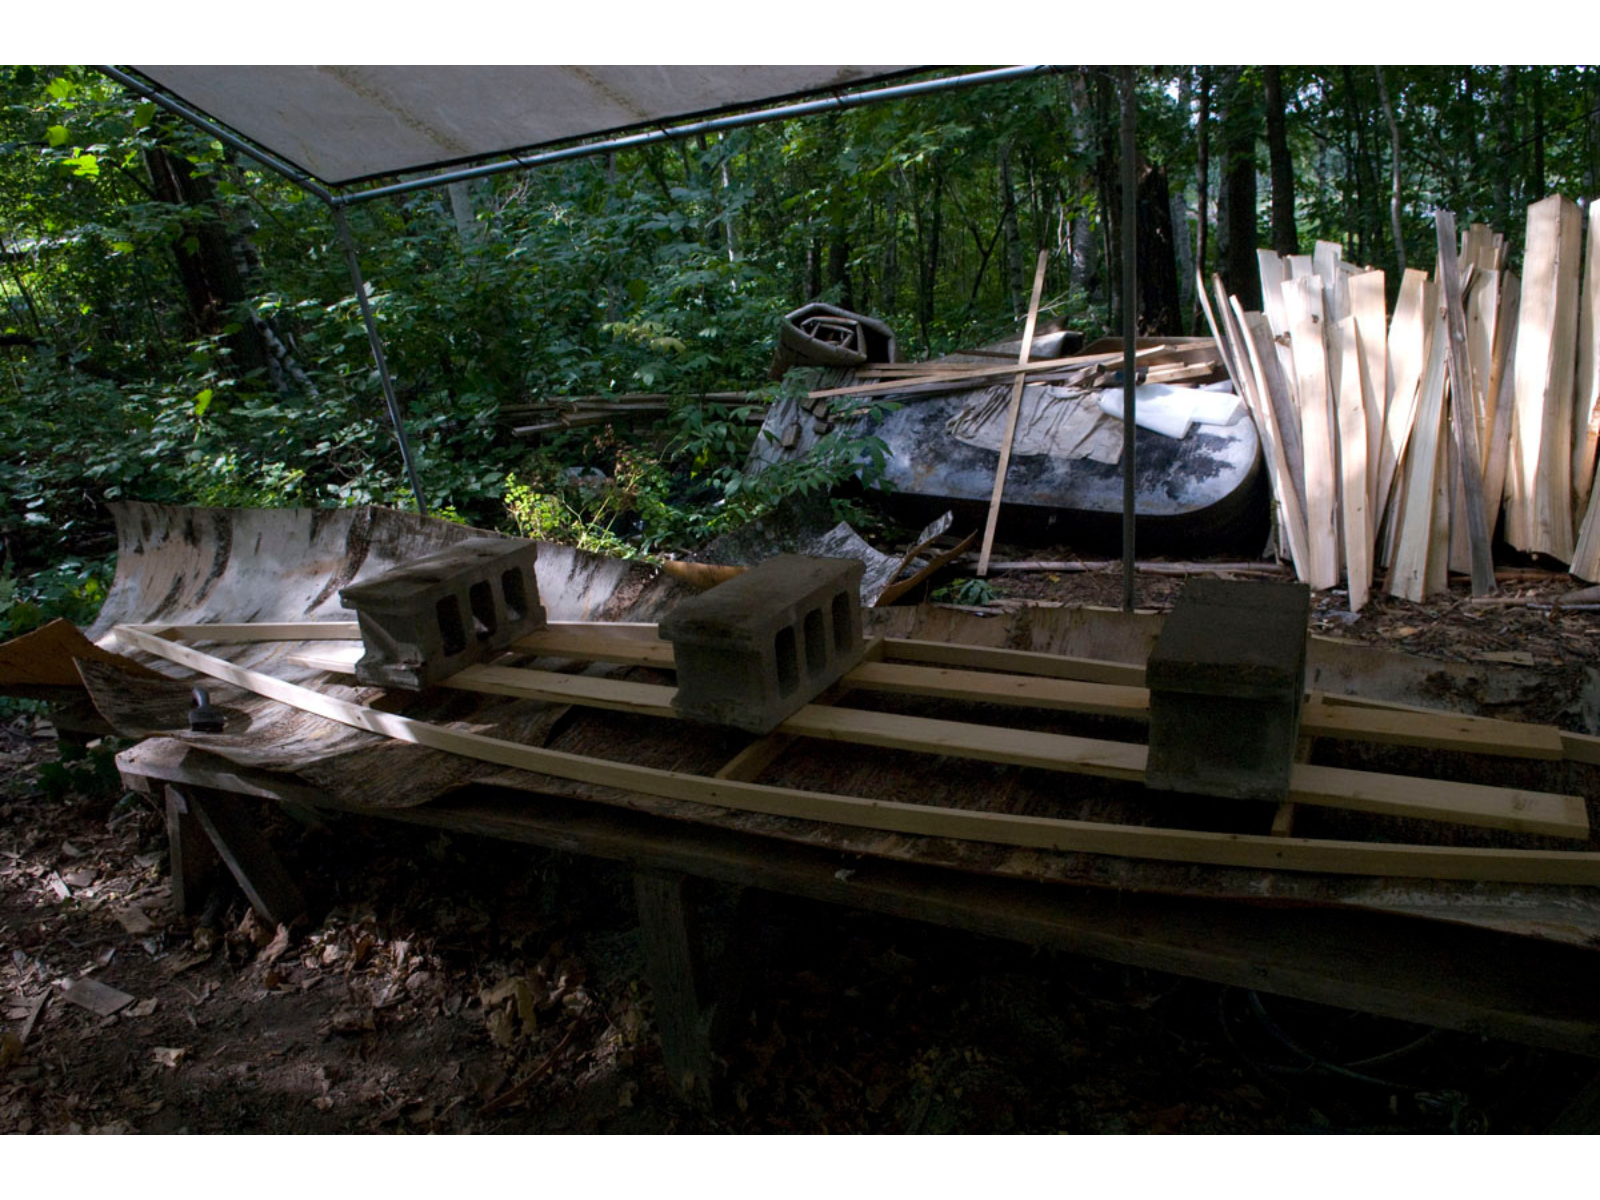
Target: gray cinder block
754,649
1226,680
425,621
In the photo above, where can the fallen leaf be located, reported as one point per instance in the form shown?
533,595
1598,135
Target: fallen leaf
10,1049
71,851
80,879
168,1056
625,1097
277,948
144,1008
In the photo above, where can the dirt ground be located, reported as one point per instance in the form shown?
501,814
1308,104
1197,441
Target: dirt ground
448,984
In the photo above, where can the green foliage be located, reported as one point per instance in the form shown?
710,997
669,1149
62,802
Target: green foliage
662,270
967,591
90,773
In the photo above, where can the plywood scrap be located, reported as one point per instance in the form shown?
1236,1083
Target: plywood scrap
1546,365
99,998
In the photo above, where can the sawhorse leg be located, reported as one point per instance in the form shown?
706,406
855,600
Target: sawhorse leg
200,820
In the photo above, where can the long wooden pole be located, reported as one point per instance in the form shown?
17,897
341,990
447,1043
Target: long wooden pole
1046,833
1011,417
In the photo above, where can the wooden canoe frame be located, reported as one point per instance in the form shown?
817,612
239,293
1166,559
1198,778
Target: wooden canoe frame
1239,850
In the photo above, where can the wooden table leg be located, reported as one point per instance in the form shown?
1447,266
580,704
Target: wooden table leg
190,853
674,968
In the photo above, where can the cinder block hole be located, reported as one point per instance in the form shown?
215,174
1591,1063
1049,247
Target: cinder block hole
484,618
515,593
841,623
787,655
816,643
450,627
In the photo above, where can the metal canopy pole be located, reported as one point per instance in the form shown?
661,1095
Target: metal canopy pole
1130,307
389,397
695,128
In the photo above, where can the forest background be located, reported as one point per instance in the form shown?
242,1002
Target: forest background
177,326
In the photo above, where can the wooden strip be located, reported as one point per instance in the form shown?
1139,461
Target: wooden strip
1367,306
1464,408
1354,395
1267,360
1342,857
1303,301
1260,404
1502,383
1409,576
1408,355
1015,407
936,564
1267,410
1527,812
1546,363
979,375
1026,681
1423,728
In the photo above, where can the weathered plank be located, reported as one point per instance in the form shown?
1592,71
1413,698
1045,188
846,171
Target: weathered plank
1409,331
1367,306
1586,427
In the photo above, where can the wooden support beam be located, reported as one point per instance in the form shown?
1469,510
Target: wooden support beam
1180,845
269,888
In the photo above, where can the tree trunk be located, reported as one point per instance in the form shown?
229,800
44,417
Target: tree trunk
1085,273
1159,303
1240,125
889,276
839,264
1394,172
1008,219
1505,136
1371,223
212,284
1284,238
727,214
1537,190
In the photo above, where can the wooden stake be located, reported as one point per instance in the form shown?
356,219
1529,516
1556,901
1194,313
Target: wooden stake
1011,417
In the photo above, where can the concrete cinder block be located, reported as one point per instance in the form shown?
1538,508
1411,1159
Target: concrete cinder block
425,621
765,643
1226,680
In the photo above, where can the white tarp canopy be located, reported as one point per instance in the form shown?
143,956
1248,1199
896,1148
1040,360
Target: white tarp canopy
343,125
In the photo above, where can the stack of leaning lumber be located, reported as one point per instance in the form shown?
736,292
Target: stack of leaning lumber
1383,467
